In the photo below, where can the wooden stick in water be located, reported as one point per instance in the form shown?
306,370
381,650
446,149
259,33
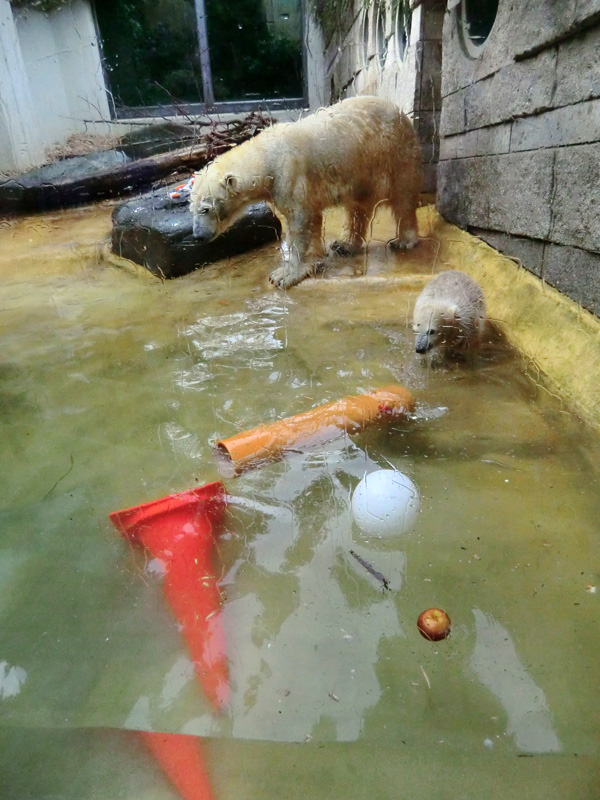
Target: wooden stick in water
371,570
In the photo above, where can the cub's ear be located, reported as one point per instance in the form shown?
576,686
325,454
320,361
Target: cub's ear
230,182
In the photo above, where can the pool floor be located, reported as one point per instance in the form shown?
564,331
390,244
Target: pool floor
114,387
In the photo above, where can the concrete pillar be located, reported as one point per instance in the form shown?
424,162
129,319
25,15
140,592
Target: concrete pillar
61,56
20,144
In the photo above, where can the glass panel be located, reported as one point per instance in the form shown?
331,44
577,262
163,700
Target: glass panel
402,29
255,48
150,51
479,19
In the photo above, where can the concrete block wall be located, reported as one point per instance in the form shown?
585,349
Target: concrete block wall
427,102
520,139
370,56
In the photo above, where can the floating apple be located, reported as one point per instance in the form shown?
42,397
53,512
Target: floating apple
434,624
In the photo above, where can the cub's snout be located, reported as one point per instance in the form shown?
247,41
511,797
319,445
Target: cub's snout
423,343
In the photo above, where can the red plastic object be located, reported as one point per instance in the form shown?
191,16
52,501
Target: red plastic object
181,759
178,530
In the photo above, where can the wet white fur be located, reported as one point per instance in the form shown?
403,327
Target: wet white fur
360,153
449,315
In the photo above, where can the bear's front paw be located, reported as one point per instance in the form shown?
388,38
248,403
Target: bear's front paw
341,248
285,277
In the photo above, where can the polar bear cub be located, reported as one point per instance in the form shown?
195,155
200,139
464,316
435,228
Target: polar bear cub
360,153
449,315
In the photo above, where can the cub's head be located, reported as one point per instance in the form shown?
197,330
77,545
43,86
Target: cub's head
432,326
214,200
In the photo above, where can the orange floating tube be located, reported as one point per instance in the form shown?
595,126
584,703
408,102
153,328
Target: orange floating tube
181,759
178,530
351,415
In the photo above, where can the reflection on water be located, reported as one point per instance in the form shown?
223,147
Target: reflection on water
11,679
253,333
183,442
113,389
315,667
498,666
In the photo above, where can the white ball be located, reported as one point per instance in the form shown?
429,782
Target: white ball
385,503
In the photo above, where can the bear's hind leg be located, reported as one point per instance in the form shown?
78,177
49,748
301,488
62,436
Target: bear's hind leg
404,210
302,251
359,217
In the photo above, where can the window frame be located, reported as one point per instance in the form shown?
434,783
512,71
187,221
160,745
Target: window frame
210,105
470,47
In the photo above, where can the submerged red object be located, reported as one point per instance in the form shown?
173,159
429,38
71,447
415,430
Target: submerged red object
181,759
178,530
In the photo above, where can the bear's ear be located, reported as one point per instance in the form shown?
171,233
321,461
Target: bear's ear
230,182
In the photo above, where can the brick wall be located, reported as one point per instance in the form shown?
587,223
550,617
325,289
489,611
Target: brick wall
520,139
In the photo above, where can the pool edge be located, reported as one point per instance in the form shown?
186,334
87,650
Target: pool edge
550,329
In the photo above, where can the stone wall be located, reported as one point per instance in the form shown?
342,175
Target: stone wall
392,49
520,138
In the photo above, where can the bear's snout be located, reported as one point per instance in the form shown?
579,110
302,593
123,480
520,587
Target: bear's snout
422,343
201,232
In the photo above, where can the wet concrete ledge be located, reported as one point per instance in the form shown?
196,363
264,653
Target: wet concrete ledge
559,337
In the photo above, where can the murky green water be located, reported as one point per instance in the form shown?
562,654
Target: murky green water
113,388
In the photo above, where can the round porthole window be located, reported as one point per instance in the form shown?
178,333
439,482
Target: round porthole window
476,20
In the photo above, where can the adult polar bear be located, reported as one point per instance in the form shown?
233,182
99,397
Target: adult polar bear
360,153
